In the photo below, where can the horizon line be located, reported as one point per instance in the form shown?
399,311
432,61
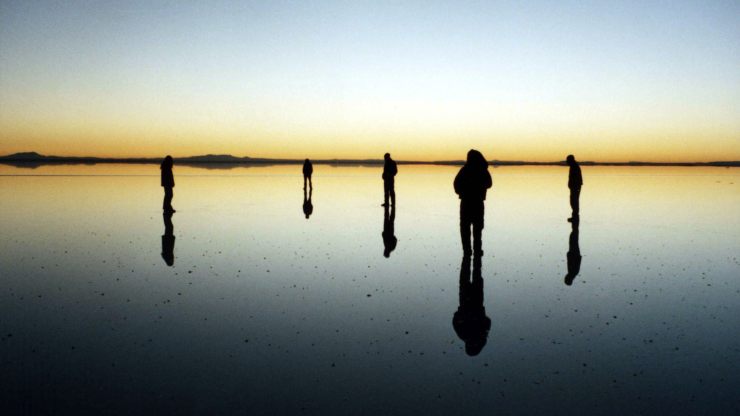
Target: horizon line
225,158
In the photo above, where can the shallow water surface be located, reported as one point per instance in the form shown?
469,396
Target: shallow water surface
266,311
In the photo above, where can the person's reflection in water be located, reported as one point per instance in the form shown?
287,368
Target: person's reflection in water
574,253
470,321
168,240
307,204
389,238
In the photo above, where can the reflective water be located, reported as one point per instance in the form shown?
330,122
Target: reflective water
266,311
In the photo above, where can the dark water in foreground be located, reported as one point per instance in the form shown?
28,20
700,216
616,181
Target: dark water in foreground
267,312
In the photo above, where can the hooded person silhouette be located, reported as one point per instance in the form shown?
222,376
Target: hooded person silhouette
390,169
575,181
471,184
167,180
307,172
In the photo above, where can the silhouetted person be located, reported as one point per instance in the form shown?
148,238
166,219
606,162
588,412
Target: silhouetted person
471,184
389,238
574,254
307,172
307,205
168,240
575,181
168,182
470,321
389,174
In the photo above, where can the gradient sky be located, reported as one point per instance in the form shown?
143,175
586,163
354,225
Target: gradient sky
609,81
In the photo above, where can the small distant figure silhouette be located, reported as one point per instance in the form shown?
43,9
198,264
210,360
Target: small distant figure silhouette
470,321
168,182
389,173
307,172
307,204
574,254
168,240
389,238
575,181
471,184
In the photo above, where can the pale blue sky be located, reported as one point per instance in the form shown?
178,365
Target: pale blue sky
420,78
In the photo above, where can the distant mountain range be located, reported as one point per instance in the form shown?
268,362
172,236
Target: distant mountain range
33,159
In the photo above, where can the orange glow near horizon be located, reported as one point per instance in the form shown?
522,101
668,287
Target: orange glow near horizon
638,147
407,128
607,83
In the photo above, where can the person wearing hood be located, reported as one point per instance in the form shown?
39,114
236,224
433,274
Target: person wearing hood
307,172
471,184
390,169
575,181
167,181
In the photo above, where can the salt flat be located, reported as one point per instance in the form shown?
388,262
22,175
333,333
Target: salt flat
264,311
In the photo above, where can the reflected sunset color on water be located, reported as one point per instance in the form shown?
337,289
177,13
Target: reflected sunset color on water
265,311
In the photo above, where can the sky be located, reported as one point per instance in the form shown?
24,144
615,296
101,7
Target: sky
427,80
